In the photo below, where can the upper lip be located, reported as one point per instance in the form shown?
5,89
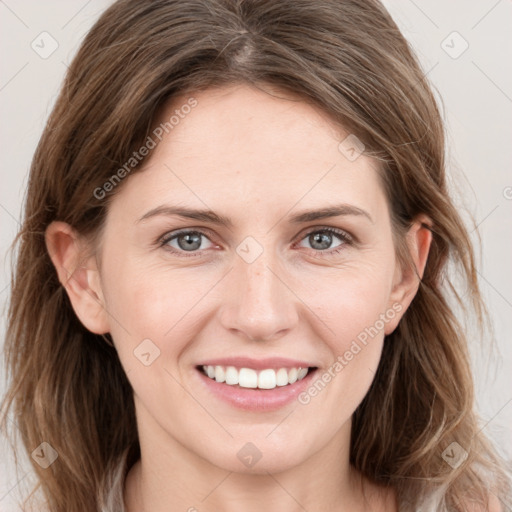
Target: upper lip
257,364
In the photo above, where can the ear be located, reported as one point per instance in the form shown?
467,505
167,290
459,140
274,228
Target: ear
78,274
406,281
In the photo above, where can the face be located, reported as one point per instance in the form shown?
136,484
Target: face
268,288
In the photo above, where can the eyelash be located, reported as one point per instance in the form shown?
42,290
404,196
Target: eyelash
344,237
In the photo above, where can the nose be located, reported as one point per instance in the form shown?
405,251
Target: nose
259,304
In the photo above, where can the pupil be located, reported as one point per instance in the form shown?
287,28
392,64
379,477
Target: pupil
190,239
319,237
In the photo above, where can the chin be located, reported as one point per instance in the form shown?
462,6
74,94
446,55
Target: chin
257,457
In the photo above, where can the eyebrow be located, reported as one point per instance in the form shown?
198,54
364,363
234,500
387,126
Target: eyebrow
214,218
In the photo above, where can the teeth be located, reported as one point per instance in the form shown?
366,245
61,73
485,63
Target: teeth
249,378
282,377
302,373
220,374
267,379
231,375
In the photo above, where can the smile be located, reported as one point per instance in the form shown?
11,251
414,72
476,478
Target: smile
268,378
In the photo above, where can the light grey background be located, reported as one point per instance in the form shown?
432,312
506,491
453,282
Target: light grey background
476,89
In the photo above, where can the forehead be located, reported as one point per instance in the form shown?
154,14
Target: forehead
239,143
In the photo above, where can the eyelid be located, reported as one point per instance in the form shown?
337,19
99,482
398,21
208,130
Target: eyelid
337,231
169,235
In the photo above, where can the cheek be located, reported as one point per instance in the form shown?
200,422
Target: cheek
355,307
157,314
357,314
350,300
155,302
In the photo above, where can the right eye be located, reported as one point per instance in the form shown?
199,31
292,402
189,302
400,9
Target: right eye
185,241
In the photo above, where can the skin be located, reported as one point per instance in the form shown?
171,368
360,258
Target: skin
257,158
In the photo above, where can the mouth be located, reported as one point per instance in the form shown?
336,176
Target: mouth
251,390
250,378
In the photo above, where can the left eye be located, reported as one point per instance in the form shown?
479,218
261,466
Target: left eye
321,239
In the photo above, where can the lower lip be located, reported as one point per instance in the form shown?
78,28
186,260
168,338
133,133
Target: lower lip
259,400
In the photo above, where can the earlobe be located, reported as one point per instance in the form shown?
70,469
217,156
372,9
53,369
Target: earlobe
78,274
407,280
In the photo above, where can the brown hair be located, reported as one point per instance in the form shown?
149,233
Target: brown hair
345,56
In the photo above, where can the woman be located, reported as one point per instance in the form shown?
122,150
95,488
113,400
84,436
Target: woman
231,286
